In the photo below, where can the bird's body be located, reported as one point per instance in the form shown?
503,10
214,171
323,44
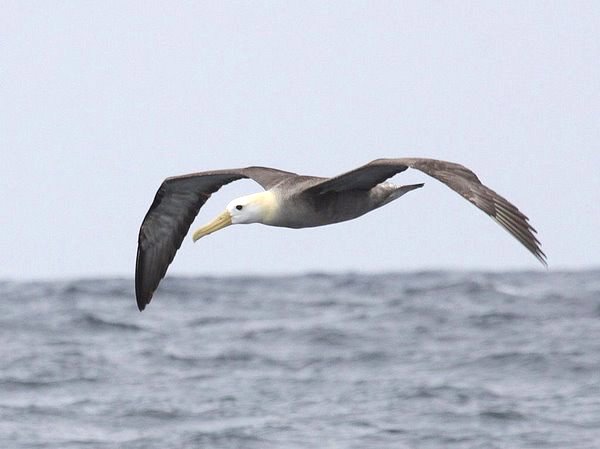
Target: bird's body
296,201
297,209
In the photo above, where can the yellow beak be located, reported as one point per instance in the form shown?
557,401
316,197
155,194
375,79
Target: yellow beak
220,222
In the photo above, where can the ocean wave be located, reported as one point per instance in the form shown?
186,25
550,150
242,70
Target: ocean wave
353,360
94,322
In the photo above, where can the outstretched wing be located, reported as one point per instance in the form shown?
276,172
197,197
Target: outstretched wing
171,214
457,177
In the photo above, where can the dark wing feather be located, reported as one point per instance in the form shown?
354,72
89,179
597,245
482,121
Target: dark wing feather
267,177
171,214
458,178
361,178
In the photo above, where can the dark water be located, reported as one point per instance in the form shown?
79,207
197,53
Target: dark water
417,360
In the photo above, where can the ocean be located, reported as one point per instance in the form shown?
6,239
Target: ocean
393,360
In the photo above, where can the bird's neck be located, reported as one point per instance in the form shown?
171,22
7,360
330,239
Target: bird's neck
267,201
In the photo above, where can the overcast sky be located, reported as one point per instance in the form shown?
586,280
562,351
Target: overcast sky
100,101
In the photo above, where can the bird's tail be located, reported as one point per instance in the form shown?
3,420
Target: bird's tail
401,190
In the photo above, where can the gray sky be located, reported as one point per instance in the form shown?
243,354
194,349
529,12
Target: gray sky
100,101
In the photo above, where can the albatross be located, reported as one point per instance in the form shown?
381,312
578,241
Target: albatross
296,201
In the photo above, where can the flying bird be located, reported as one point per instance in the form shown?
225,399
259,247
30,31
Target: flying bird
295,201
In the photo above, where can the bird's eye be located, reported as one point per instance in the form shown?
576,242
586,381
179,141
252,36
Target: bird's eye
238,207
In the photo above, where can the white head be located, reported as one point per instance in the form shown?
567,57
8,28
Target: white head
255,208
247,209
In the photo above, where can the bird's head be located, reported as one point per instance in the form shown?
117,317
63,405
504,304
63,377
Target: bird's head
255,208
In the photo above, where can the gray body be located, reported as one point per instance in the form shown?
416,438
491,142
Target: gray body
306,201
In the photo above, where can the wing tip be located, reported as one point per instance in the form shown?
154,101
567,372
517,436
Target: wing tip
541,256
141,298
141,305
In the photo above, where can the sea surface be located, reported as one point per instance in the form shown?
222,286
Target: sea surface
408,360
